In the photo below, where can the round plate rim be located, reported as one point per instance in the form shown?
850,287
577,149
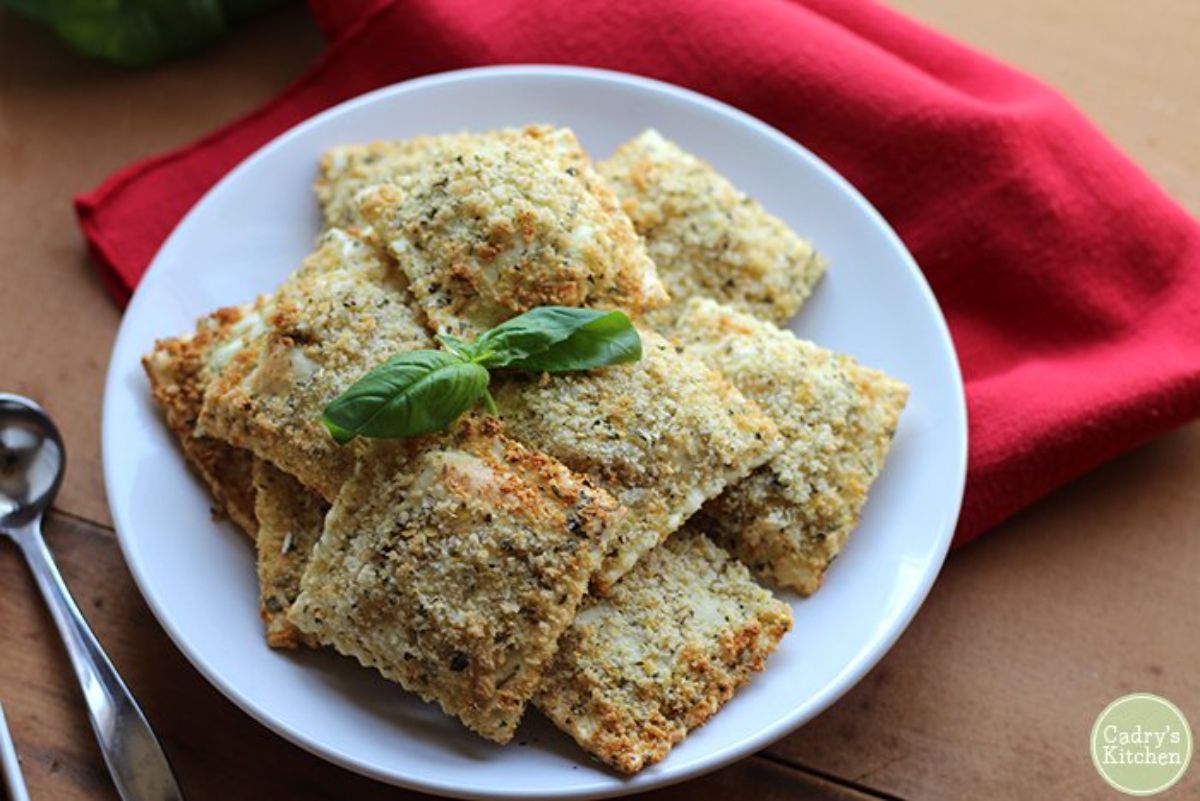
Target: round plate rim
851,674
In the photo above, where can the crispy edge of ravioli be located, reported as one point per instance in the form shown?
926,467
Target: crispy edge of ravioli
663,435
345,311
707,237
792,516
178,371
504,221
290,518
640,668
452,565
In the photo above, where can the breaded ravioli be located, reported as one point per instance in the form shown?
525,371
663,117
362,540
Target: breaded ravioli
792,516
452,565
290,520
706,237
506,221
345,311
658,657
348,169
179,370
663,435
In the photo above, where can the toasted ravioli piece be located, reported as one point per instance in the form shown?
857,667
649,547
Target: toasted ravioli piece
792,516
658,657
348,169
179,371
505,221
452,565
663,435
707,238
290,520
343,312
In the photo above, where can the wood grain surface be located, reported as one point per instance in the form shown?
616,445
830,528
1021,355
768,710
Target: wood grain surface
990,694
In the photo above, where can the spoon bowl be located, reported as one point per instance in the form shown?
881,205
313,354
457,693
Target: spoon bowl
32,461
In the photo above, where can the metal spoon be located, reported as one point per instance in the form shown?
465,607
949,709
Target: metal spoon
10,766
32,459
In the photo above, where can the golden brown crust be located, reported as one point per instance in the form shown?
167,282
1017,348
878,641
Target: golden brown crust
792,516
662,435
452,564
348,169
290,518
707,238
177,369
345,311
660,656
504,221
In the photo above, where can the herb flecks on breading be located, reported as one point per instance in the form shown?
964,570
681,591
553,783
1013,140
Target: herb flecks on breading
347,170
678,635
505,221
291,518
179,372
342,313
452,564
706,237
792,516
663,435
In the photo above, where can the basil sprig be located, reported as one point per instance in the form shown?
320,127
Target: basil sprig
409,394
423,391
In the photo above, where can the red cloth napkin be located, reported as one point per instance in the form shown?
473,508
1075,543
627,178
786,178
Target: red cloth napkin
1070,281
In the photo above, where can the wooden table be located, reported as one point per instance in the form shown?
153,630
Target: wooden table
991,693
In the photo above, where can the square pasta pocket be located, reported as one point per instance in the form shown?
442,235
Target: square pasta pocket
506,221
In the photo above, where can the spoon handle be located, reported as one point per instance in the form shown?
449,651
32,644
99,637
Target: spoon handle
134,757
10,766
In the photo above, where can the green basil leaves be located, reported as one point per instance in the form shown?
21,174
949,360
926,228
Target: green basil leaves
558,339
410,394
138,33
423,391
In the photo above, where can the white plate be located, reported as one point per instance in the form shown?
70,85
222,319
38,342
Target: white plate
256,225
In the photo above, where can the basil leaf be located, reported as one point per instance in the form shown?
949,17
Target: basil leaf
340,435
426,390
410,394
537,332
460,346
140,32
606,339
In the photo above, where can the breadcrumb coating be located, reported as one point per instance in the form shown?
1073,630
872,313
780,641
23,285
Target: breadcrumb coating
452,565
706,237
458,564
290,518
663,435
658,657
178,369
791,517
345,311
348,169
505,221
